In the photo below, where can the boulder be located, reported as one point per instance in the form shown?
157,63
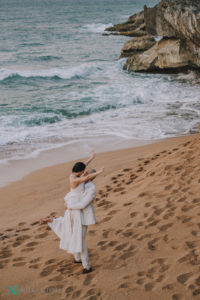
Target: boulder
166,55
135,26
136,45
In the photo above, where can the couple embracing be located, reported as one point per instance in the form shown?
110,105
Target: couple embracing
72,228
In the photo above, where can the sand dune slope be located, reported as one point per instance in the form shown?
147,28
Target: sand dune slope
146,244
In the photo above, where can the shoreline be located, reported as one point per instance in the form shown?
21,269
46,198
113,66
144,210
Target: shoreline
16,169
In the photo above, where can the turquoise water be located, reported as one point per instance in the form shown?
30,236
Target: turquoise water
61,80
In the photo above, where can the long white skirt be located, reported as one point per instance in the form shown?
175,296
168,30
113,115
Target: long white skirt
69,230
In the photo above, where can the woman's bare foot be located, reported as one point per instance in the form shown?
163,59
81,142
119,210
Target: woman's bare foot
45,221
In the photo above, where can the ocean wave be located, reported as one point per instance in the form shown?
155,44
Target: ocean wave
47,58
190,76
96,27
75,72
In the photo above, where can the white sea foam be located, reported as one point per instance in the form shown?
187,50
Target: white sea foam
82,70
191,76
96,28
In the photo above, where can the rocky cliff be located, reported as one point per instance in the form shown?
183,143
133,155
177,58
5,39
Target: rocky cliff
177,23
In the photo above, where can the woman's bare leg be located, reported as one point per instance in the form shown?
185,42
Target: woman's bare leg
46,220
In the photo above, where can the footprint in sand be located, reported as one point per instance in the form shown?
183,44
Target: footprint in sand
112,243
101,243
165,227
126,255
133,176
90,292
152,174
3,263
186,220
48,270
169,286
20,264
106,233
196,292
57,278
69,290
103,202
31,244
151,244
196,200
149,286
176,297
128,203
42,235
25,229
187,207
140,170
21,223
129,224
76,294
34,223
119,189
168,187
120,247
128,232
140,281
88,280
34,261
194,232
19,258
123,285
106,219
127,170
184,277
113,212
129,182
191,244
50,261
5,252
20,239
133,214
118,231
160,278
139,224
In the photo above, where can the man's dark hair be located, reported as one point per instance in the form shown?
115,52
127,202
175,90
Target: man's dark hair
78,167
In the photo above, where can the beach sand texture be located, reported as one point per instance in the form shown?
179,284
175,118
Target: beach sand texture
145,245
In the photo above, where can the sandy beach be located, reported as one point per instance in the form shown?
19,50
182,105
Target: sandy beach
145,245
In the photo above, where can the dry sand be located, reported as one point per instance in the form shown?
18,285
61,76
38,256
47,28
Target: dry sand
145,245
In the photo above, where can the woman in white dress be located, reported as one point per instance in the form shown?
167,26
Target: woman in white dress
69,227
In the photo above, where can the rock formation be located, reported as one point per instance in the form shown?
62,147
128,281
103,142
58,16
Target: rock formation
135,26
177,22
137,45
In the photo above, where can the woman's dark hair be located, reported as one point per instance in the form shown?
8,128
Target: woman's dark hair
78,167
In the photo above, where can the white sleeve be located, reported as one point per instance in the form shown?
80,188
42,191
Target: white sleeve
88,197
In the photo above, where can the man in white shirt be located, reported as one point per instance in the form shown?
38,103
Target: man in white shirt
87,218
